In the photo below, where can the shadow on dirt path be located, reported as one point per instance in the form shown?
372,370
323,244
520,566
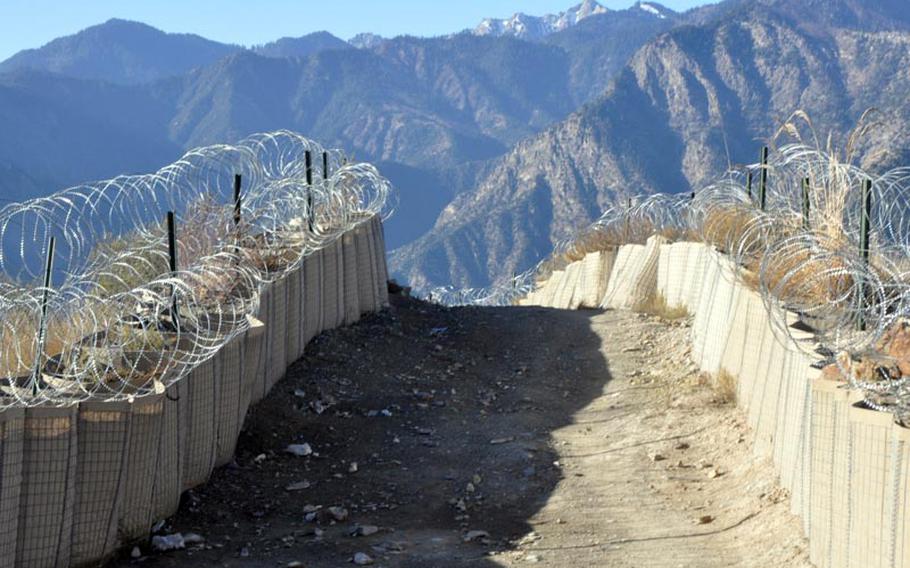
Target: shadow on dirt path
432,425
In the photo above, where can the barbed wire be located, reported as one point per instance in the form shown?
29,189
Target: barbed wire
815,236
117,319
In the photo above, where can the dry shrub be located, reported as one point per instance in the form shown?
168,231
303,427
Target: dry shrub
724,227
724,385
656,305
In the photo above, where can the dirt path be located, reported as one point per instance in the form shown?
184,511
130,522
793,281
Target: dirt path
543,436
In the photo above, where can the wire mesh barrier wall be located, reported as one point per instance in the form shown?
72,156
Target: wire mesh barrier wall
140,317
794,271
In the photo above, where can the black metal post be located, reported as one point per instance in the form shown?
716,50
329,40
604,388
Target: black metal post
238,180
749,185
172,259
865,224
763,178
42,324
325,165
806,183
866,220
309,192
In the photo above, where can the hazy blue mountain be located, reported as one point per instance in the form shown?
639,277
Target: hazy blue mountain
120,51
600,45
70,130
302,46
421,102
688,104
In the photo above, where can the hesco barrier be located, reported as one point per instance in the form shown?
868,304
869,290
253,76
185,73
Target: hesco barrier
847,467
79,482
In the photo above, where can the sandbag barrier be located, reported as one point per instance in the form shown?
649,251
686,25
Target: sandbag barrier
79,482
125,379
788,266
846,466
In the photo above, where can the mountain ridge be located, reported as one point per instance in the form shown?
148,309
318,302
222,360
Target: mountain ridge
686,101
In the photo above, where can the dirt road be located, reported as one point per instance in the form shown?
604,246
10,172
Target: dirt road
491,437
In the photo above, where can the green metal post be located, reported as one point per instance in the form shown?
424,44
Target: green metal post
805,193
763,179
42,324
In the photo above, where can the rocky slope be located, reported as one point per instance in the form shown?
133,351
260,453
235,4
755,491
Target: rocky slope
689,104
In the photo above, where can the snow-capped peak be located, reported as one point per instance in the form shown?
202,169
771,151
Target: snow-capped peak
652,9
534,27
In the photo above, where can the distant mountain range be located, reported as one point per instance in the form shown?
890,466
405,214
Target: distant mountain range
534,28
689,104
119,51
499,143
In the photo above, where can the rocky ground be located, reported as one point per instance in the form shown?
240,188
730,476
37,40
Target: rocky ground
490,437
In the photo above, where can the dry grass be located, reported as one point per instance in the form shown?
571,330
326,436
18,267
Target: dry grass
656,305
724,384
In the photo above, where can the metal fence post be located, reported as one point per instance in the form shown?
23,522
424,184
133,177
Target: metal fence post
308,157
325,165
806,182
172,261
864,230
42,323
763,179
238,180
749,185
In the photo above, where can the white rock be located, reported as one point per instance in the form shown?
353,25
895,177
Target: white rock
300,450
475,535
168,542
365,530
362,559
193,538
136,553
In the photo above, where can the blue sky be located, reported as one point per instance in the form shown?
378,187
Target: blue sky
32,23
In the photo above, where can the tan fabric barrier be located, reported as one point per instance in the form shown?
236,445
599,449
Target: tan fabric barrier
138,511
78,482
48,488
229,371
621,292
200,399
313,314
104,429
332,286
382,267
366,277
847,467
351,285
170,463
294,347
12,425
276,329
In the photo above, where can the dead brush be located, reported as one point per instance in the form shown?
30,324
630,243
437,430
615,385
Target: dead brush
723,383
655,304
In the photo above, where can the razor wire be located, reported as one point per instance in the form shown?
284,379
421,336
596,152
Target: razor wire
800,246
118,321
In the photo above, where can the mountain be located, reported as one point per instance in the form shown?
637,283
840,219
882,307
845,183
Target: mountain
69,130
420,102
528,27
689,103
366,41
121,52
600,45
301,46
